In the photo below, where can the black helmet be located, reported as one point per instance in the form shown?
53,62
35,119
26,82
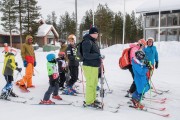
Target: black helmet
140,55
62,41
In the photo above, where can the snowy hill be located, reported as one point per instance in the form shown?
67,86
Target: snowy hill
166,77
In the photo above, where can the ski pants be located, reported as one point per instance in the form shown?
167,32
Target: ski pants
74,75
53,88
91,76
133,86
27,79
62,79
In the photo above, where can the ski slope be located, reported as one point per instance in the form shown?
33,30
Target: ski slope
166,77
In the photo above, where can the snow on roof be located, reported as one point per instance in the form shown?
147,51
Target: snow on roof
44,29
153,6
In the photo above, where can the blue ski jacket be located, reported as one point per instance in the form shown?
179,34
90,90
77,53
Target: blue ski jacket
151,54
140,78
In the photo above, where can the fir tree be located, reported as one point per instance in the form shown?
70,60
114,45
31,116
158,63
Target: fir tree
9,17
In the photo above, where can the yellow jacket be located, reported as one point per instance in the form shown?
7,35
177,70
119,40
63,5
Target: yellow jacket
27,50
9,64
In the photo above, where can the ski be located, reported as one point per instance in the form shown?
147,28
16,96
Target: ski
163,91
15,101
54,104
112,110
159,109
156,101
160,99
147,110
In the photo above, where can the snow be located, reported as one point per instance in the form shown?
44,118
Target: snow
165,77
153,6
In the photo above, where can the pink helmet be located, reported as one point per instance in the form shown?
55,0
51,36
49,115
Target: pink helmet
142,41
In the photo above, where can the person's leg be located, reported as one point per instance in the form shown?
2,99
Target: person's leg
27,79
91,75
50,90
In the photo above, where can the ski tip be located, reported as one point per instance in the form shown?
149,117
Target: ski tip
167,115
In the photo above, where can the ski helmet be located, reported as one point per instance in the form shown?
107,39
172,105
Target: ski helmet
61,54
62,41
142,42
50,57
140,55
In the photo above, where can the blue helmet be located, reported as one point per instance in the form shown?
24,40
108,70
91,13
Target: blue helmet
50,57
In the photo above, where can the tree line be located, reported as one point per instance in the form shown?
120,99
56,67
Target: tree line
109,23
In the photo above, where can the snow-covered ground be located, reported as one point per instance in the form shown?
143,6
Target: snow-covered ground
166,77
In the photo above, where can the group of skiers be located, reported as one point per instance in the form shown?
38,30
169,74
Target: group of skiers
63,71
144,57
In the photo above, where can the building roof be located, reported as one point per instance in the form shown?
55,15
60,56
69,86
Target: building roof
44,29
153,6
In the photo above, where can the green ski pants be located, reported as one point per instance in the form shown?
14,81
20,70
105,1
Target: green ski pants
91,76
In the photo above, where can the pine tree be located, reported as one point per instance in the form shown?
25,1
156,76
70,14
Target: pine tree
54,19
140,27
118,28
20,12
133,36
9,17
104,21
127,29
32,14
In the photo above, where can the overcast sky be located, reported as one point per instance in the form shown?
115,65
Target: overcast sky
60,6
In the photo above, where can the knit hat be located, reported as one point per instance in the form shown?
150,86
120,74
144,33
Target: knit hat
93,30
29,37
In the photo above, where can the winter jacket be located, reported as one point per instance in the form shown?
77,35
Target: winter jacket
140,77
63,49
151,54
27,51
71,55
134,48
9,64
52,70
91,52
61,65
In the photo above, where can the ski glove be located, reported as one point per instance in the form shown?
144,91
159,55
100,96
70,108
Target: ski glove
19,69
102,56
35,64
156,64
25,63
16,63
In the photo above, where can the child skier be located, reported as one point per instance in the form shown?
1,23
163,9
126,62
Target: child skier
6,48
73,65
53,80
8,70
141,81
61,69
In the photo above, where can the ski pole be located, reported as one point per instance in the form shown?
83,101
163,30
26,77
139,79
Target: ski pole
107,83
82,79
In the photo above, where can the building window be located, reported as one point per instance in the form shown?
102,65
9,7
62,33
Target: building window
163,33
150,33
173,19
172,34
151,21
163,19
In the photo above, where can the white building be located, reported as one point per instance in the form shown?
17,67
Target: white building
169,19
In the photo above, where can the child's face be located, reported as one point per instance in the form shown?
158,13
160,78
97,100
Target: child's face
71,41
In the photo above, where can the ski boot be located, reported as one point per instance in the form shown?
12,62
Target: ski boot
47,102
56,97
137,104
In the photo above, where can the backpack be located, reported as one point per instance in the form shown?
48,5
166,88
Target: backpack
79,53
124,60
